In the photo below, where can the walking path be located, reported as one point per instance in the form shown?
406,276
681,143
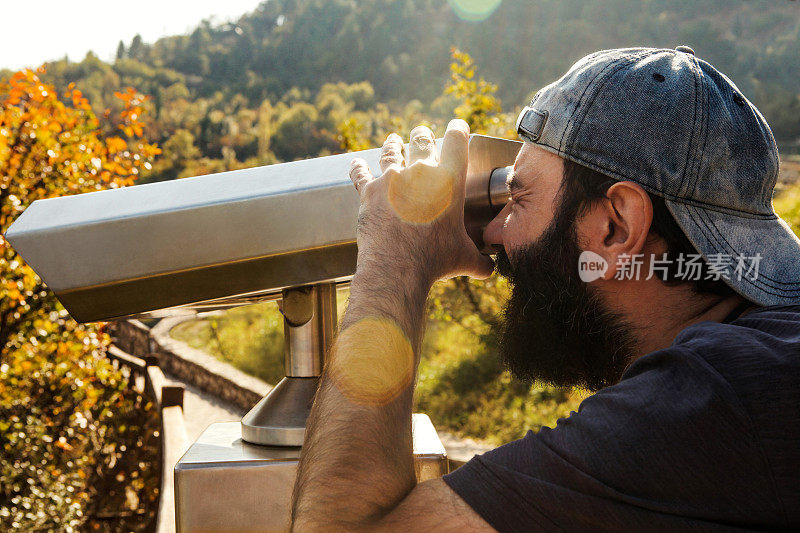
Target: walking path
201,409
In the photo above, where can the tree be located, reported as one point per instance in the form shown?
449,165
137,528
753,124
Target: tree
137,48
50,147
63,408
181,149
297,134
120,51
351,135
479,105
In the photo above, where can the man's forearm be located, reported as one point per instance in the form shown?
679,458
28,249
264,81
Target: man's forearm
357,460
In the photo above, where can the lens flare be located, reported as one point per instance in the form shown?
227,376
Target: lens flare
372,361
421,193
474,10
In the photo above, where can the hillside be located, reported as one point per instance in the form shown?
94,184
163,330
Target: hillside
217,92
401,46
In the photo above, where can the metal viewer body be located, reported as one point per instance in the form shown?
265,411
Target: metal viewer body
220,240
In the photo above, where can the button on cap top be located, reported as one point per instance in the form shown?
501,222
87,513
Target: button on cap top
684,49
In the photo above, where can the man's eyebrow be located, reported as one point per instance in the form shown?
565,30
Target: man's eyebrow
513,183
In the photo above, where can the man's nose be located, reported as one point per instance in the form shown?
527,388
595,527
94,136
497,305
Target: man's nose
493,233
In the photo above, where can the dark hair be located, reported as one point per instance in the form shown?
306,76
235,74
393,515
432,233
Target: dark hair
582,186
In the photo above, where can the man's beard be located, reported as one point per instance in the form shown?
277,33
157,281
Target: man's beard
556,328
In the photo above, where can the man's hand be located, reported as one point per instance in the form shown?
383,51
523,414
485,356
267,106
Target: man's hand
411,222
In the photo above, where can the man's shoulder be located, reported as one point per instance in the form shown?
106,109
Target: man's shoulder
762,341
745,353
751,365
779,322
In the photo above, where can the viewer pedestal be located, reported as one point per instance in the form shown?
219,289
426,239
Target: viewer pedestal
225,484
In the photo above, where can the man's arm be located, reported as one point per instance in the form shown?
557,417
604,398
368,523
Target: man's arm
356,469
433,506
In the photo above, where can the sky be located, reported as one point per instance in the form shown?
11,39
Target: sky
36,31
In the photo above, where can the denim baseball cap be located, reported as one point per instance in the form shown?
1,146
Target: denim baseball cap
681,129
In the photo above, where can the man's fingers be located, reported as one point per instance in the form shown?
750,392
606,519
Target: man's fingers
421,145
392,153
360,173
455,147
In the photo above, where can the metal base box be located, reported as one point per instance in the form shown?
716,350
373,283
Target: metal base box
225,484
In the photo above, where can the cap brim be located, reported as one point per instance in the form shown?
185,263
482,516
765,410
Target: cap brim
776,280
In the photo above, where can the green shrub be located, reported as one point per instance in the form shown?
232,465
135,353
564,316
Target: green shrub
250,338
787,205
462,384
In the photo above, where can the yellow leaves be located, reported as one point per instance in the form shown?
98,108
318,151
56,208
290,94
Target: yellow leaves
134,130
149,150
78,100
51,144
128,96
478,100
132,112
351,137
116,144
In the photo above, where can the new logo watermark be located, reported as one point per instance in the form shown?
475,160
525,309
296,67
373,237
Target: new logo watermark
686,267
591,266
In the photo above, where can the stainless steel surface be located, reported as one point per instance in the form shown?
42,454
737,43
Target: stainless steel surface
308,327
309,324
225,484
499,194
279,419
486,154
430,457
212,241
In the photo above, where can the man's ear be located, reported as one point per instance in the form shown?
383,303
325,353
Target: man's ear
616,227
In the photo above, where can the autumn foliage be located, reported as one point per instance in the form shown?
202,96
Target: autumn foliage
66,415
478,102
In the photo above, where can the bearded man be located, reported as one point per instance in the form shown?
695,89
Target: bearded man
651,164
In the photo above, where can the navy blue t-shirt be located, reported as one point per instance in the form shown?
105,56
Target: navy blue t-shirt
702,436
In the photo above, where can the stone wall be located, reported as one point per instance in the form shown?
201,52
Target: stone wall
133,337
188,364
